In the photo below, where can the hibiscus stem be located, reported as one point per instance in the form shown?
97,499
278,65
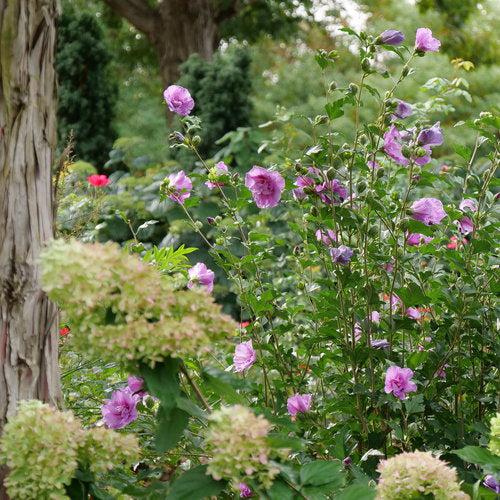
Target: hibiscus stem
195,388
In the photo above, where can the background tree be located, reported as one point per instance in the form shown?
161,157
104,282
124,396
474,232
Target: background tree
177,29
86,94
28,320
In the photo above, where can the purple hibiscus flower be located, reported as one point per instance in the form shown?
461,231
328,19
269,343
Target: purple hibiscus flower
244,356
245,490
393,146
121,409
266,186
199,274
380,344
416,239
491,483
328,237
341,255
391,37
398,381
403,110
299,403
180,186
430,211
432,136
425,42
465,225
468,204
179,100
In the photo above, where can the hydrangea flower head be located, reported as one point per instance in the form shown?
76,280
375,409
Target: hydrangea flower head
430,211
120,410
40,447
199,274
494,444
236,440
391,37
266,186
425,42
179,100
417,475
398,381
97,180
178,187
299,403
244,356
153,319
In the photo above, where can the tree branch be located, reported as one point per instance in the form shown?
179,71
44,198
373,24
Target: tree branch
136,12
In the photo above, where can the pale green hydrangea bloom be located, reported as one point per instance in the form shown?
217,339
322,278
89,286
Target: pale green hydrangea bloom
121,308
236,440
494,444
414,475
40,447
43,448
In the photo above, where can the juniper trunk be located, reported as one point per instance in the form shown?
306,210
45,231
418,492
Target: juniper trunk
28,321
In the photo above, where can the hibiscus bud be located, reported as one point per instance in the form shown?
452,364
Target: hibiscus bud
385,74
333,86
301,285
176,137
406,150
314,211
353,88
320,119
219,241
196,141
365,65
380,172
198,224
406,71
421,152
373,231
363,139
211,221
361,186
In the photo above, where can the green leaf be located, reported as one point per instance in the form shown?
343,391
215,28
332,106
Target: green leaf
335,109
478,455
280,491
189,407
222,388
356,492
195,484
162,381
170,426
321,472
283,441
464,151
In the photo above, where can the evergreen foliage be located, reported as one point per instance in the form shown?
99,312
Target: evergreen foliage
221,89
87,96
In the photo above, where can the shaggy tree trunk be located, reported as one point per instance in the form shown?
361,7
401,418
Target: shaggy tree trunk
28,321
176,28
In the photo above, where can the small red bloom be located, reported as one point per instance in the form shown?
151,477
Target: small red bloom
64,331
98,180
244,324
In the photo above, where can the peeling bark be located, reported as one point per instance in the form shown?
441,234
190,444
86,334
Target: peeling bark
28,320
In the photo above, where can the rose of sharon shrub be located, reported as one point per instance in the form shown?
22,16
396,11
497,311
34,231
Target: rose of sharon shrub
121,308
415,475
43,448
236,440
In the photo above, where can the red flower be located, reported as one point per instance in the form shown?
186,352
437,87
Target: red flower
64,331
98,180
244,324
